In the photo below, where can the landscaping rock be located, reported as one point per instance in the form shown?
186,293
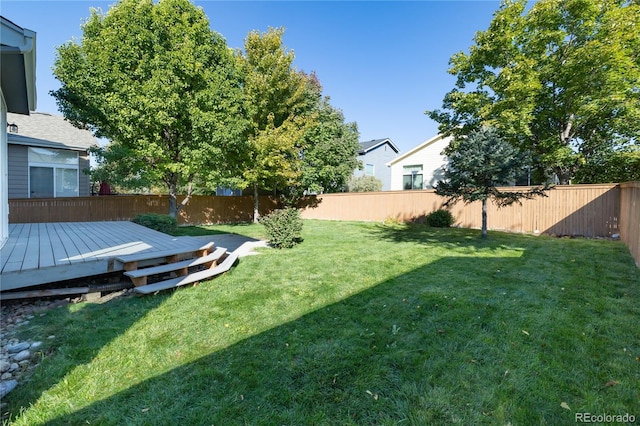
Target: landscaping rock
6,387
18,347
4,366
22,355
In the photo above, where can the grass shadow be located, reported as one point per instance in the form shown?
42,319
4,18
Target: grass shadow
449,237
72,344
454,341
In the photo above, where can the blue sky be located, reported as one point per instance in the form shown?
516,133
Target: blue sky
383,63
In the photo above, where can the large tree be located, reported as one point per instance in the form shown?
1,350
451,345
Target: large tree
478,165
331,151
561,80
161,85
280,102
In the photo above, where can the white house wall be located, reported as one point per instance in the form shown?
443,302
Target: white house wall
429,156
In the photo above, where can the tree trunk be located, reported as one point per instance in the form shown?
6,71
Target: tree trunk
256,213
173,200
186,199
484,218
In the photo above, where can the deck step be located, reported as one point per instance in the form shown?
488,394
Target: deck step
134,261
191,278
139,276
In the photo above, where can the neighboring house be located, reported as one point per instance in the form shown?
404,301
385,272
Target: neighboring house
420,168
47,156
375,156
17,95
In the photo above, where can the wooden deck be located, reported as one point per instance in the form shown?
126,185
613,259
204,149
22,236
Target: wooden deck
40,253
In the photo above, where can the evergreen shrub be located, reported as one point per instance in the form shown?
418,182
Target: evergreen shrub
159,222
440,219
284,227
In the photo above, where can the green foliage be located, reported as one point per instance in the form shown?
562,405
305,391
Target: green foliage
478,164
280,102
331,151
161,85
609,167
440,219
159,222
364,184
283,227
559,80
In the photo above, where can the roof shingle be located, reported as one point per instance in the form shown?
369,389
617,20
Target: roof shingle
39,128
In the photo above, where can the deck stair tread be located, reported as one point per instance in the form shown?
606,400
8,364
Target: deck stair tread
213,257
137,257
223,267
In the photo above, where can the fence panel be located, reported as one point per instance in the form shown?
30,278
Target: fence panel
200,210
587,210
630,217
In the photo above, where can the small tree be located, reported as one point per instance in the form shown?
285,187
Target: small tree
279,101
478,164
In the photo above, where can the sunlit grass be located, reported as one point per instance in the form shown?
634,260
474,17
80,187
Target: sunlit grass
359,324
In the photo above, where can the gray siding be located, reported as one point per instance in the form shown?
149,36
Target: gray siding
18,171
379,157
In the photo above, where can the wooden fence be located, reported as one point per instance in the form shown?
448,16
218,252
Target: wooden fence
586,210
200,210
630,217
577,210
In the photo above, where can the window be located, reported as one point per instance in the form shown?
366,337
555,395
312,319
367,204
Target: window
53,173
412,177
369,170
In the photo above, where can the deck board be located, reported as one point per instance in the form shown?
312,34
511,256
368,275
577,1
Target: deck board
32,252
69,247
40,253
18,246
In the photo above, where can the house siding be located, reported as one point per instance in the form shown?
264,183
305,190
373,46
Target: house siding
429,157
18,171
379,157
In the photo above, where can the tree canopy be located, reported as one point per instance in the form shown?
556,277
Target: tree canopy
280,102
560,80
478,165
160,84
330,151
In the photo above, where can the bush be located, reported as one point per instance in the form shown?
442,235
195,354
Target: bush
440,219
159,222
284,227
364,184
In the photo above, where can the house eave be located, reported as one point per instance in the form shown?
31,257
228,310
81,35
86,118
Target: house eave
416,149
18,67
382,142
14,139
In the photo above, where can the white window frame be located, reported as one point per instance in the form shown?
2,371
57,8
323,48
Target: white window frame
56,166
373,169
418,169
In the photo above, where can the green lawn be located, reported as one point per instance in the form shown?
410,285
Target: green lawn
360,324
